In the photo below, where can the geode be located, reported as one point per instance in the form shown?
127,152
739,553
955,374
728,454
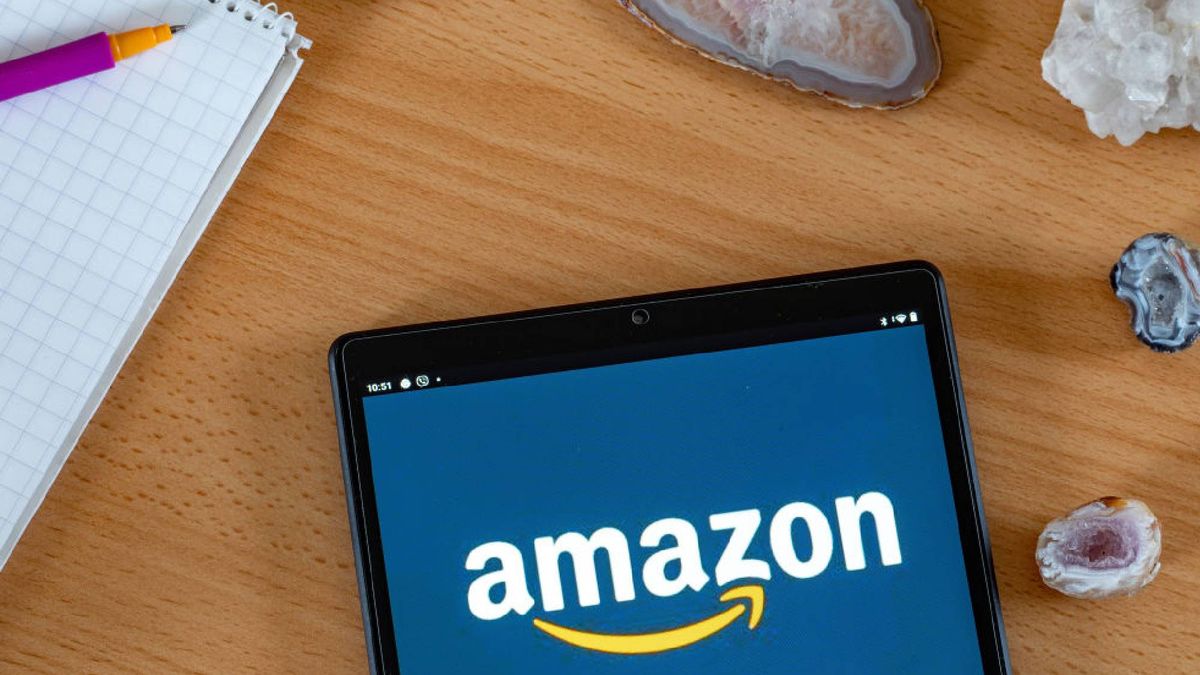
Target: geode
1106,548
1158,277
1132,65
863,53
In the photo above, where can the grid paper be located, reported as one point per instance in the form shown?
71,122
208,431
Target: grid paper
98,179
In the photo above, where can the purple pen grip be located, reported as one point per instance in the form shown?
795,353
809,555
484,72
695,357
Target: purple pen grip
54,66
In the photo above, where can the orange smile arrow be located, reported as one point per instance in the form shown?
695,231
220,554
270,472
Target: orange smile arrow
652,643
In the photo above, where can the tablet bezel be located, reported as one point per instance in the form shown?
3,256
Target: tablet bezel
588,335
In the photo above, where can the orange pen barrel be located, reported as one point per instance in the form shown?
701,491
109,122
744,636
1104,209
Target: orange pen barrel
134,42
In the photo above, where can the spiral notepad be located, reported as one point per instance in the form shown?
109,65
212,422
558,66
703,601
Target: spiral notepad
106,184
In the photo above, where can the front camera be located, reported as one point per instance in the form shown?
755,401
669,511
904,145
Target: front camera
640,317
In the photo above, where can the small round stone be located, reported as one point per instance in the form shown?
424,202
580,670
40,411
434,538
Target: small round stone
1158,277
1102,549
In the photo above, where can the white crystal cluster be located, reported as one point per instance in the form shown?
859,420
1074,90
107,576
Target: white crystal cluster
1132,65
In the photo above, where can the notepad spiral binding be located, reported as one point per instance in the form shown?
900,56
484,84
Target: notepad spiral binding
268,15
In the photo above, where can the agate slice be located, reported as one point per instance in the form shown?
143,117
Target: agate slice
1106,548
1158,276
873,53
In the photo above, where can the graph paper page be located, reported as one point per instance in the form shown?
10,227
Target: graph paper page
99,181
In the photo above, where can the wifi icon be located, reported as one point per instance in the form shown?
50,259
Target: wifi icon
901,318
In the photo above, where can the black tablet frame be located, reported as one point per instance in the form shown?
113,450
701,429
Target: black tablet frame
710,319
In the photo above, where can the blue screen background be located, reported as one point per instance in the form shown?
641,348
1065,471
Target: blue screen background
625,445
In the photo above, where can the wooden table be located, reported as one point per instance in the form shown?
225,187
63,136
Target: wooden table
439,160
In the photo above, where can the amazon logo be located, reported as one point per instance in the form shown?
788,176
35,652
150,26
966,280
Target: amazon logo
675,566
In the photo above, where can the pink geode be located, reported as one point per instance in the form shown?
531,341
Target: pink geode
872,53
1108,547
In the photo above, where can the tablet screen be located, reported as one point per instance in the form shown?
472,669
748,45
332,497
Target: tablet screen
771,509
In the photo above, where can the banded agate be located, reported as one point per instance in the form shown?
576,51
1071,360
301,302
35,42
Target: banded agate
863,53
1109,547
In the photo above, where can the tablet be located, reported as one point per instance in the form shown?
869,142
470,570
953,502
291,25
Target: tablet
769,478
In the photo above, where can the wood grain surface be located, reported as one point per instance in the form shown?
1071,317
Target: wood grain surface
445,159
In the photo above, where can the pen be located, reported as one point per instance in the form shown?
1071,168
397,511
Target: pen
77,59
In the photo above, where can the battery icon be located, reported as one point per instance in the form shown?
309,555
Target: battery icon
912,317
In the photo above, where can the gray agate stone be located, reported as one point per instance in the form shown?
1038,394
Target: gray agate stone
1158,276
863,53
